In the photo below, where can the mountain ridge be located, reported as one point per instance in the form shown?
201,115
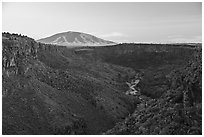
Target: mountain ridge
73,38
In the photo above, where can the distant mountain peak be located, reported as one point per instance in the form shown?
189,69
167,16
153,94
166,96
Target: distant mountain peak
72,38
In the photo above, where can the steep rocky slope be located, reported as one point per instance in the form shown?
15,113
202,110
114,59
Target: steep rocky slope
51,90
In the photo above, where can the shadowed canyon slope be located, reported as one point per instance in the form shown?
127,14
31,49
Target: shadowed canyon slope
50,90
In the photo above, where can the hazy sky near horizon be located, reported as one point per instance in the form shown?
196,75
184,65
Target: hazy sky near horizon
119,22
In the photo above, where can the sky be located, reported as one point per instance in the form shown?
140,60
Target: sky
120,22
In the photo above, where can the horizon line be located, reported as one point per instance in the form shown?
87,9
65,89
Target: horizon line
109,40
